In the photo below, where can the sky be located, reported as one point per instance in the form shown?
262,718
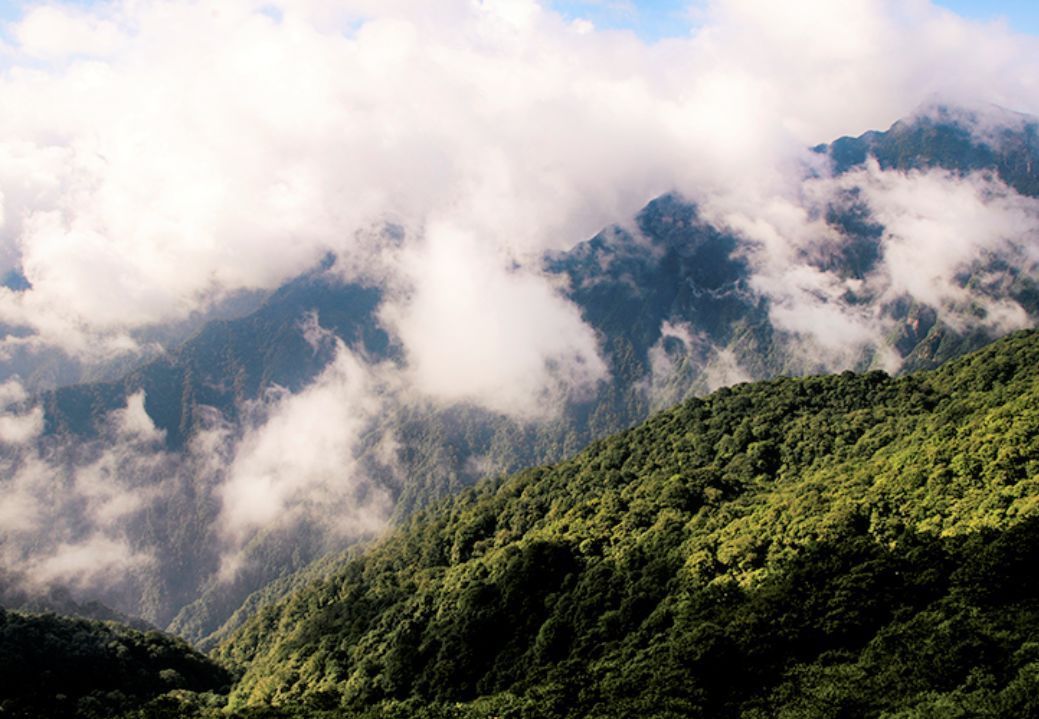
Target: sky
656,19
1021,15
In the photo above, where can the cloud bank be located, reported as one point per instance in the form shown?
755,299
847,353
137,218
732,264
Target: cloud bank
298,455
125,519
156,157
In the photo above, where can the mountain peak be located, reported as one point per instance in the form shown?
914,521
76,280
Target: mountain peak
954,138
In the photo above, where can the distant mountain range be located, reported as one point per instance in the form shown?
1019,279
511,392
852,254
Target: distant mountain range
673,302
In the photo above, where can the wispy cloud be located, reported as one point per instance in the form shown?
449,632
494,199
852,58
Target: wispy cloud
124,519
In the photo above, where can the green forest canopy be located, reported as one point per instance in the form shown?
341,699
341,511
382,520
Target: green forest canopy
845,546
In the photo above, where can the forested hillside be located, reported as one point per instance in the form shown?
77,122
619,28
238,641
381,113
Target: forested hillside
842,546
59,667
839,546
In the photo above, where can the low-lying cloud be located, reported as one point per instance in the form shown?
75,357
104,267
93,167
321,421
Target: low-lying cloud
936,229
67,509
936,225
120,517
299,457
531,352
17,426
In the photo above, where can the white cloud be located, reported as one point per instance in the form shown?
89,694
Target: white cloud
582,26
938,227
520,14
18,426
531,347
134,422
84,563
298,462
120,514
685,362
12,392
205,149
20,505
55,31
67,508
21,428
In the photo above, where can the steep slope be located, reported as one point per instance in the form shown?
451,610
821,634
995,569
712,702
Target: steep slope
208,382
852,545
231,361
676,268
989,143
954,139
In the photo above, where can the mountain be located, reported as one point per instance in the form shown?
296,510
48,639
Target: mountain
955,139
848,545
230,361
851,545
39,369
675,303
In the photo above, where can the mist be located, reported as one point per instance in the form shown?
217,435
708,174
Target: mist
111,518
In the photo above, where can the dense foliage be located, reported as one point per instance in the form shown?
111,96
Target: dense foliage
842,546
60,667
